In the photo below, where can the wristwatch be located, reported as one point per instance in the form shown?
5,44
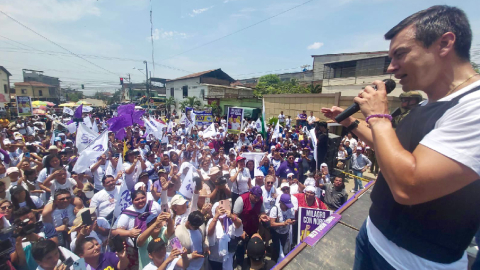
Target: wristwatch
353,126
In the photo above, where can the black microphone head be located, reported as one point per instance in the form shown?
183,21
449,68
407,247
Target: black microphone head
389,85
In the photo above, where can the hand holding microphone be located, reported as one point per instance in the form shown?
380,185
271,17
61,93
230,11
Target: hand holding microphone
372,99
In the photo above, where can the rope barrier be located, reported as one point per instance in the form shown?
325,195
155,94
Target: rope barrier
354,176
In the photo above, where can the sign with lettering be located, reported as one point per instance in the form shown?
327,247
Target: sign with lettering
315,235
24,106
309,220
235,119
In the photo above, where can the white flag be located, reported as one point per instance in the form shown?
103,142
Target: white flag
84,137
188,186
188,123
256,157
258,125
95,127
276,133
123,199
170,126
67,110
209,132
152,129
86,109
72,127
91,153
313,136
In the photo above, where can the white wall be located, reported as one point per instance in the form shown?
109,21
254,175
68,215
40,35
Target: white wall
4,81
194,89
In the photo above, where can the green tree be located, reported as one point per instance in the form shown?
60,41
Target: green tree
216,109
193,102
317,89
169,102
74,97
272,84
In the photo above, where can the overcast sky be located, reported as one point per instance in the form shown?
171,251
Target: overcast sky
113,36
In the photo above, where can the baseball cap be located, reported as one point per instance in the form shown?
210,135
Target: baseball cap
143,174
138,185
178,200
256,249
16,189
12,170
213,171
239,158
310,189
359,148
287,200
256,190
284,185
290,174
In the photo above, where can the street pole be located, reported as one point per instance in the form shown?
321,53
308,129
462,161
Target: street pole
147,86
130,88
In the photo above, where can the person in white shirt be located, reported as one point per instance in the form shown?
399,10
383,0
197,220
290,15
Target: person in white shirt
353,141
311,120
269,193
161,259
105,200
98,171
288,122
281,118
240,178
281,216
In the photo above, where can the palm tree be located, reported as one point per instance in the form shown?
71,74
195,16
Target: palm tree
193,102
169,102
317,89
216,109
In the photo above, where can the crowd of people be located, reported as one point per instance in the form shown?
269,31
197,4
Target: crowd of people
247,189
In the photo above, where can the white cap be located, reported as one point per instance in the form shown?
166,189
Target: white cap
178,200
310,189
290,174
138,185
284,185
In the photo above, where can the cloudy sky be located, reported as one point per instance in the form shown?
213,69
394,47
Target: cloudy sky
94,42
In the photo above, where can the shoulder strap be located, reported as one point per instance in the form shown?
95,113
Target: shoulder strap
130,213
149,206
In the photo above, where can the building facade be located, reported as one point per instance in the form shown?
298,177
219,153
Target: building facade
37,91
4,88
56,94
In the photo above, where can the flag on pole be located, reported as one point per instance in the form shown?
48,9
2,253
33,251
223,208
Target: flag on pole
84,137
125,148
313,136
264,124
276,133
188,186
68,111
90,154
209,132
152,129
170,126
78,112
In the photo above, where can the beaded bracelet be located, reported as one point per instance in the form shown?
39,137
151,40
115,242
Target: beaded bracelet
379,116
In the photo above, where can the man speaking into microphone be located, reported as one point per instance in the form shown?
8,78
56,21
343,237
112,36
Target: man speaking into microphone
426,200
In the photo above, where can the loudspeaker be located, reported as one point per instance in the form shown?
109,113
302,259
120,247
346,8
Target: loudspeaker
332,149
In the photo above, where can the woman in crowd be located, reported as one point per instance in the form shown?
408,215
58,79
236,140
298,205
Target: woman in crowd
6,209
90,250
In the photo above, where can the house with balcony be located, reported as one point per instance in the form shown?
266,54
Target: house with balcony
209,86
37,91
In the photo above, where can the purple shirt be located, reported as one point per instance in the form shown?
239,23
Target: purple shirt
285,168
256,146
107,259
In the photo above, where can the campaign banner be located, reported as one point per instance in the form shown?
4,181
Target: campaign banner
203,118
67,110
317,234
24,106
235,117
309,219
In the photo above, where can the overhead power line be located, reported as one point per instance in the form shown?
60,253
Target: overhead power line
56,44
240,30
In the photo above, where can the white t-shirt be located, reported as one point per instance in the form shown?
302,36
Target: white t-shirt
282,216
42,175
104,201
268,199
281,118
170,266
242,179
70,184
97,176
463,120
127,222
311,119
59,214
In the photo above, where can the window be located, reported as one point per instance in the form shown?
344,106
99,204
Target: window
172,92
185,91
24,91
40,93
5,89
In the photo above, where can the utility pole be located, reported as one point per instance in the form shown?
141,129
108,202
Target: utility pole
130,88
146,82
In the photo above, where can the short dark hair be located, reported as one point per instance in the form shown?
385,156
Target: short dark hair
41,248
136,192
431,23
22,211
196,218
290,154
105,178
59,192
79,245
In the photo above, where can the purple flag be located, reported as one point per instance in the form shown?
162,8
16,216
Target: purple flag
136,117
120,135
125,109
119,122
78,112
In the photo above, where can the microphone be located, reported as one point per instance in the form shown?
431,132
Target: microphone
389,85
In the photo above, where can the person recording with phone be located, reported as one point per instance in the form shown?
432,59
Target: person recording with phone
429,181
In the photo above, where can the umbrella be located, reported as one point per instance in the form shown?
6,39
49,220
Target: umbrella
39,112
69,104
83,102
51,104
37,103
41,107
